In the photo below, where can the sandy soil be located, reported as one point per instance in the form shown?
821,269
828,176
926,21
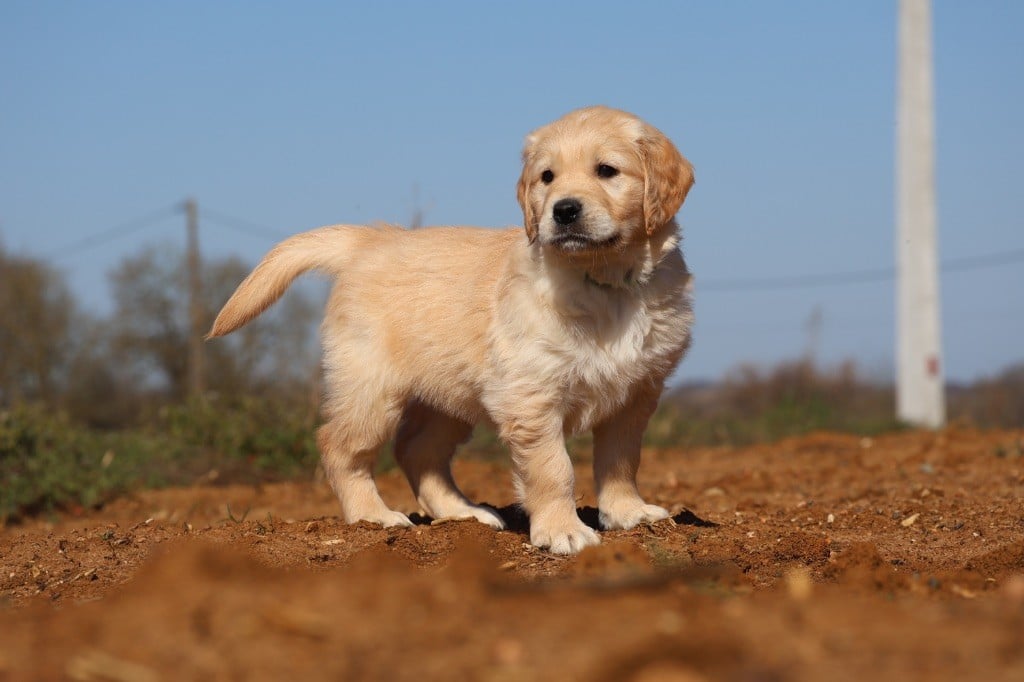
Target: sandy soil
823,557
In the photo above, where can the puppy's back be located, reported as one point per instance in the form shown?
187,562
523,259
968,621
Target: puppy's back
415,309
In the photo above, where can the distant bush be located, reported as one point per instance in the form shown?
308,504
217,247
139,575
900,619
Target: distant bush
48,463
252,438
756,405
993,402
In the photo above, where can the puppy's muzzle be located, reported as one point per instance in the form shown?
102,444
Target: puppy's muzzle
571,232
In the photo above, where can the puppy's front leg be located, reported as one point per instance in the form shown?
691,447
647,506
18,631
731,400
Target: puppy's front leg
545,483
616,460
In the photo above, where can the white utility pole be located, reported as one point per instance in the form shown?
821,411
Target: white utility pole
920,395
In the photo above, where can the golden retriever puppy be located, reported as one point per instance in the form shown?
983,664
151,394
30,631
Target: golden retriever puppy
572,323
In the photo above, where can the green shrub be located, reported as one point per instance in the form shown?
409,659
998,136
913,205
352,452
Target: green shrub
48,463
267,439
754,405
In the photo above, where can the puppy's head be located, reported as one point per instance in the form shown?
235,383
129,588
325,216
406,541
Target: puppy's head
599,179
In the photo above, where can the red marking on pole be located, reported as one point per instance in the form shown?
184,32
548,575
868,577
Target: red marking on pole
933,366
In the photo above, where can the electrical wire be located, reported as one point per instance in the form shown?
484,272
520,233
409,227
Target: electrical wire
964,264
749,284
241,225
116,232
990,260
797,281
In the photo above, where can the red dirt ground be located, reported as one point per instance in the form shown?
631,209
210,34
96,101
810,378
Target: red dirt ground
822,557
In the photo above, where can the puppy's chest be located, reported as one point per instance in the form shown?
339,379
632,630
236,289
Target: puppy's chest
617,342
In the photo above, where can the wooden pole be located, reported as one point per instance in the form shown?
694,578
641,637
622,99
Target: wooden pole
195,297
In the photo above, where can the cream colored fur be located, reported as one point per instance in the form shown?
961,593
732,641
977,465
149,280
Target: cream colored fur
429,331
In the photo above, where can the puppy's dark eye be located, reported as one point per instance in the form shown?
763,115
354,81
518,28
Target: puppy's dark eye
547,177
606,171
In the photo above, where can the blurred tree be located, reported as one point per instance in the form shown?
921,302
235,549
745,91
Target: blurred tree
36,317
995,401
150,329
101,390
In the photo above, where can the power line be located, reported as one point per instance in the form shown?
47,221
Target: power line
116,232
987,261
798,281
136,224
869,275
855,276
241,225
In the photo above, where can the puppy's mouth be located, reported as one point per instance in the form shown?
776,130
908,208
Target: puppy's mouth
575,242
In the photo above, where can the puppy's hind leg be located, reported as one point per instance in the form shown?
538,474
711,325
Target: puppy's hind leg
424,447
349,442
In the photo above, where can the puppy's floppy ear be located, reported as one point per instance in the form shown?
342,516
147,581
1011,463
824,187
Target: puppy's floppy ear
667,178
523,192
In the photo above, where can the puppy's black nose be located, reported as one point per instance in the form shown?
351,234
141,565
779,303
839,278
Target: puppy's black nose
566,211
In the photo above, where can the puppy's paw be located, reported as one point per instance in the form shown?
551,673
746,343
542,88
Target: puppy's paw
472,511
386,518
569,537
626,516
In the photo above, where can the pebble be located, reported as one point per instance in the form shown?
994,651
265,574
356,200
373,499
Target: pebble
909,521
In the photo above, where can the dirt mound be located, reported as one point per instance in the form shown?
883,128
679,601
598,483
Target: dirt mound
899,558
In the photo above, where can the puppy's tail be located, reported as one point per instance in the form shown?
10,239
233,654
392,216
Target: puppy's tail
327,249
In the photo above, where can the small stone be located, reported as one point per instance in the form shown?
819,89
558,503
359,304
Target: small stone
963,592
909,521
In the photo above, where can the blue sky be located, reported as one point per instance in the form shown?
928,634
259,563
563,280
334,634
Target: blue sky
295,115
